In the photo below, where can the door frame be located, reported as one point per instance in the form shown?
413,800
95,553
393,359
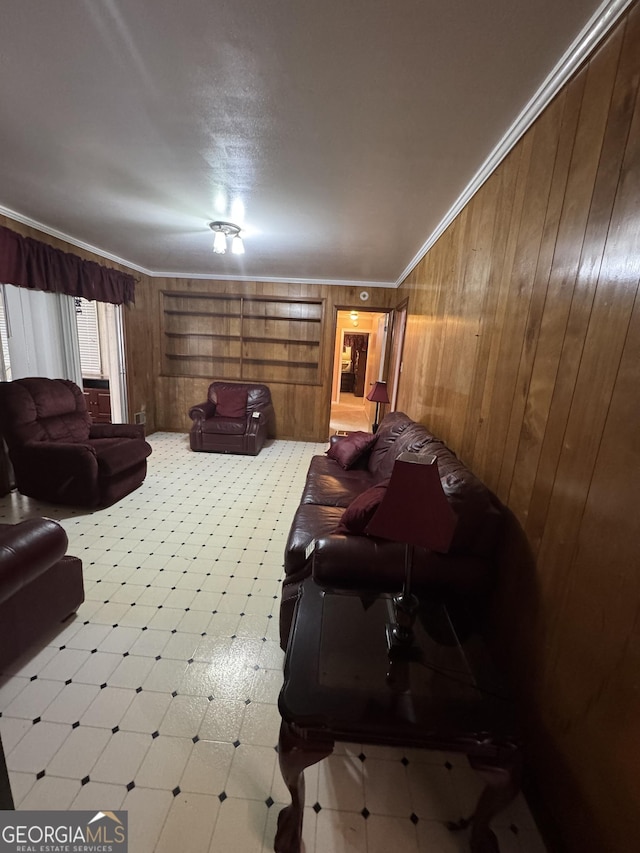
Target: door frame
396,350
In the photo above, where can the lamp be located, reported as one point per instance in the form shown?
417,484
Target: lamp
377,395
222,231
414,511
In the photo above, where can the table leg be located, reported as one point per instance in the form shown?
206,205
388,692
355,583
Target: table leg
295,753
503,783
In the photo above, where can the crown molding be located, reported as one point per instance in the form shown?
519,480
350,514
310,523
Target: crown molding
79,244
275,279
595,29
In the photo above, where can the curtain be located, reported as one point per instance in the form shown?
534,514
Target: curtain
356,342
29,263
69,339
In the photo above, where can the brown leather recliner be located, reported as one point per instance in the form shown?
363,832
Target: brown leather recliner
58,455
39,585
236,417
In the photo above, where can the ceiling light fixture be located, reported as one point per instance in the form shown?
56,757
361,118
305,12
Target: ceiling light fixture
222,231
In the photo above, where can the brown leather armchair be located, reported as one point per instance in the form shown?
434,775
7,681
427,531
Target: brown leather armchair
39,585
236,417
58,455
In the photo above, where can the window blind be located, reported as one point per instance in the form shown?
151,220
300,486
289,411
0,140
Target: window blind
4,339
88,337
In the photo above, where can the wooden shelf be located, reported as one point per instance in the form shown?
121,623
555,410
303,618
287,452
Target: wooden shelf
246,341
175,357
293,341
280,362
280,317
203,335
202,314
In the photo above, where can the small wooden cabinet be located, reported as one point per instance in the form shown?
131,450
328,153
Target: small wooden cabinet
98,404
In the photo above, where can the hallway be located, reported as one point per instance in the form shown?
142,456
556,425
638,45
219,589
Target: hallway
349,414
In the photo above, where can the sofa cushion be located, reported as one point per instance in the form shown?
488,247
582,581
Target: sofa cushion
349,448
361,510
225,426
479,518
36,409
231,401
329,490
391,427
413,439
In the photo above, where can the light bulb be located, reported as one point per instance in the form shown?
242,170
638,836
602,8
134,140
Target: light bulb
220,243
237,246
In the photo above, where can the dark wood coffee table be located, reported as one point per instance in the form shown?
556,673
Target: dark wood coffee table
341,683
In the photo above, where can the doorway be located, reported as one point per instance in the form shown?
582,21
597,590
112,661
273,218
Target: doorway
397,350
360,341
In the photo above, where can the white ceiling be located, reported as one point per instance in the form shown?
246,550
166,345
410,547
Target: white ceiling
338,133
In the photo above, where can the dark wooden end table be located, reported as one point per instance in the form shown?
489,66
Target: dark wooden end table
342,683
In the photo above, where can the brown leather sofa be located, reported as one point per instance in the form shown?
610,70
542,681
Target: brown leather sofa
39,585
58,455
342,560
236,417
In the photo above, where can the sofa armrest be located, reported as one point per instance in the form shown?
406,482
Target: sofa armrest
256,422
351,561
363,562
27,550
116,431
59,452
202,411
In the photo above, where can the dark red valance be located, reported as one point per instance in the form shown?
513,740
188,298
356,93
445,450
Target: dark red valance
38,266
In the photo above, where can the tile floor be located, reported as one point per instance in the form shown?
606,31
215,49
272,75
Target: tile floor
160,696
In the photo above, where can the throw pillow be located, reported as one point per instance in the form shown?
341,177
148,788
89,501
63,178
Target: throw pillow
231,402
348,449
361,509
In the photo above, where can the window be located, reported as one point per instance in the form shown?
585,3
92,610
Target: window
5,361
88,338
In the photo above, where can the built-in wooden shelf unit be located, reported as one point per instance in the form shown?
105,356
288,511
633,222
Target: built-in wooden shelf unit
253,338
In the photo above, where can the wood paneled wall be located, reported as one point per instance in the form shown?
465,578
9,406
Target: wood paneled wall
302,411
523,352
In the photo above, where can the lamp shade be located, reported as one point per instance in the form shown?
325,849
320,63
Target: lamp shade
415,509
378,393
220,243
